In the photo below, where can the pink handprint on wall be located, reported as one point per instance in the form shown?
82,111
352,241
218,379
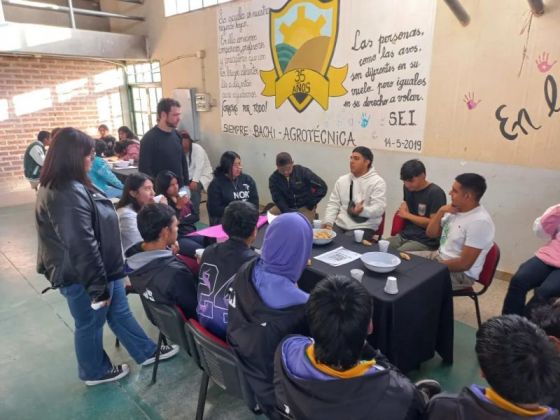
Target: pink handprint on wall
470,101
542,63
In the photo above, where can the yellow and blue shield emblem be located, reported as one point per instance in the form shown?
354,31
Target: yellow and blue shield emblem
303,36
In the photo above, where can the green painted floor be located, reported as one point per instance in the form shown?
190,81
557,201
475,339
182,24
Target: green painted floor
38,378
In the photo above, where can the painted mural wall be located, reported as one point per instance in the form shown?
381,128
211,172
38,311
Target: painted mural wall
504,57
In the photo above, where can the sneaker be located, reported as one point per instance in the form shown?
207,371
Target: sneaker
165,352
428,387
114,374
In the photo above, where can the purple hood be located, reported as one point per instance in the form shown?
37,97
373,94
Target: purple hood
286,249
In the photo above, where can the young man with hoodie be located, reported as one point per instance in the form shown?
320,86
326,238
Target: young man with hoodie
547,316
220,263
358,198
153,269
522,368
333,374
265,303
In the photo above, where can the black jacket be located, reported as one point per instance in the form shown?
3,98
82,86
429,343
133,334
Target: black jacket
223,191
254,331
162,151
79,239
302,189
218,267
160,277
387,395
467,405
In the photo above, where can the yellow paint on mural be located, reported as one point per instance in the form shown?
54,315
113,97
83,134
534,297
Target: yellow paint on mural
302,49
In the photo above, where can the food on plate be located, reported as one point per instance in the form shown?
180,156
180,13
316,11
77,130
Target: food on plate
322,234
367,243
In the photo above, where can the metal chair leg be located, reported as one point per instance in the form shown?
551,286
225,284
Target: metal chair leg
156,363
202,396
478,318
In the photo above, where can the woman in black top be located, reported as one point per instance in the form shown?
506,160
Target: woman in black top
80,253
229,184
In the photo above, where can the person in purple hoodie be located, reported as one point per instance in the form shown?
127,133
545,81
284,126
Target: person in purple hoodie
522,368
265,303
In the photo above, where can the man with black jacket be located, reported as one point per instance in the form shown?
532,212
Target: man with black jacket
161,147
522,368
295,187
156,273
334,374
220,263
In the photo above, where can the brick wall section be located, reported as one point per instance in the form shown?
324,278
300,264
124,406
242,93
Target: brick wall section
56,93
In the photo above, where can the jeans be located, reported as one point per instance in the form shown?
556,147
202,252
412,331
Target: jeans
532,274
93,362
189,244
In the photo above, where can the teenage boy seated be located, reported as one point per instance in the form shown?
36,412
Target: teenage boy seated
156,273
329,375
422,199
522,368
466,230
547,316
221,261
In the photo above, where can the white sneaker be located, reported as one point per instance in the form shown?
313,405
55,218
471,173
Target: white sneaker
165,352
114,374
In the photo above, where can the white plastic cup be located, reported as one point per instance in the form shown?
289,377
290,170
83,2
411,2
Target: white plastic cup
130,162
357,274
157,198
198,253
184,192
383,245
358,235
391,286
317,224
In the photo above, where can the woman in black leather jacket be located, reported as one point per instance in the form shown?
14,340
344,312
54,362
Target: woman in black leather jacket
80,253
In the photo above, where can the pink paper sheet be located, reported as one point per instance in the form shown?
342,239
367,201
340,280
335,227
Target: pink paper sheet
218,232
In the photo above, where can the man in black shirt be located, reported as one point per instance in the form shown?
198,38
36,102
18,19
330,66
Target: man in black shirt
422,199
161,148
295,188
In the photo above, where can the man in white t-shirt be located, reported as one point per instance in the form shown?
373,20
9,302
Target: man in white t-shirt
466,230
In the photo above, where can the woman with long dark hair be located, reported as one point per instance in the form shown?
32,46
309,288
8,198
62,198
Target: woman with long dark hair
80,254
167,184
229,184
138,191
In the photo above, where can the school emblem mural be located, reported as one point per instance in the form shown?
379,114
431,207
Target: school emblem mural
303,35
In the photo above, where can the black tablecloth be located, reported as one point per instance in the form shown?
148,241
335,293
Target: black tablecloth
409,326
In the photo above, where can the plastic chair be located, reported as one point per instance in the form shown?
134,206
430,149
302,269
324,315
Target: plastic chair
219,363
485,279
171,324
398,224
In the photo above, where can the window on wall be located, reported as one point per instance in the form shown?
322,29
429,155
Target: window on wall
174,7
144,84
